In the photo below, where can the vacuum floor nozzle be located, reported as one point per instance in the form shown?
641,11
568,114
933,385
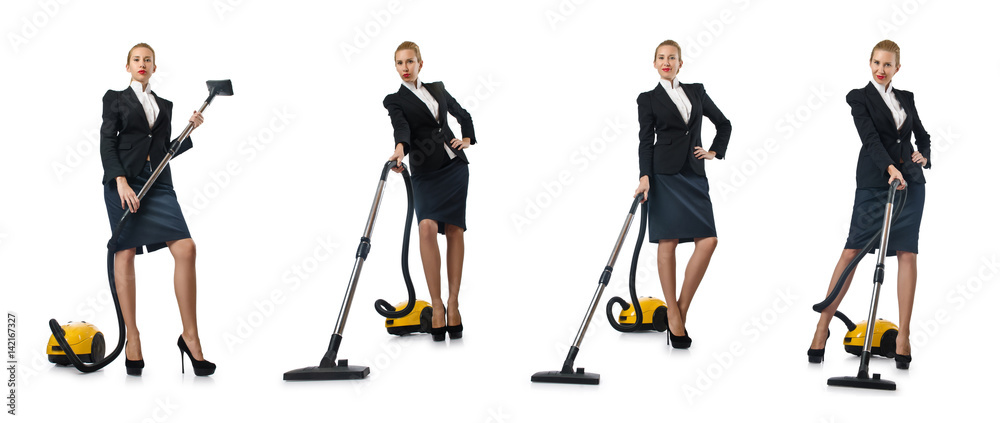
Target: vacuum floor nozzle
579,377
875,382
341,371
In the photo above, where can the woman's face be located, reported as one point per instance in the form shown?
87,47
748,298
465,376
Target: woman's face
407,65
667,62
140,64
884,66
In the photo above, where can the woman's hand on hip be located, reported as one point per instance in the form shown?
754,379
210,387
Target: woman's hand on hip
461,144
643,188
895,175
397,156
127,195
700,153
918,158
197,119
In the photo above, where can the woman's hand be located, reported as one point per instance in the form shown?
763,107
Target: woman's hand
461,144
643,188
918,158
196,119
700,153
397,156
895,175
127,195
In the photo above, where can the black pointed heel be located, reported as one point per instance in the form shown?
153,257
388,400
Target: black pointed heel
201,367
816,354
134,367
903,361
679,342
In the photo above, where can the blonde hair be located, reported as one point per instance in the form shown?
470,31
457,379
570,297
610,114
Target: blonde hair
886,45
408,45
129,57
668,43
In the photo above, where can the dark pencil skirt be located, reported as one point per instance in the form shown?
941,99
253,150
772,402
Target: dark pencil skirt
680,207
869,210
158,220
440,195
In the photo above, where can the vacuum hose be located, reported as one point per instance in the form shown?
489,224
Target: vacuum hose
870,246
382,306
612,316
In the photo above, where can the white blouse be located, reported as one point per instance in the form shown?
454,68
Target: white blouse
898,114
147,100
421,92
677,94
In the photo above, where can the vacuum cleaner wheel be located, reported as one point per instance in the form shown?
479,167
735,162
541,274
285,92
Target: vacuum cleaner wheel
425,319
660,319
97,348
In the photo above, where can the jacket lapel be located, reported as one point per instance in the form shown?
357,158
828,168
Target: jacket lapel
875,97
661,94
133,102
161,104
415,101
435,91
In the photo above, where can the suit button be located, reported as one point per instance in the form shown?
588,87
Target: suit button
686,132
897,141
150,135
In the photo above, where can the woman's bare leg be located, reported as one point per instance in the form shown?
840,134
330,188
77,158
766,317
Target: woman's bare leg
666,264
456,258
823,326
695,271
186,291
125,287
906,282
430,256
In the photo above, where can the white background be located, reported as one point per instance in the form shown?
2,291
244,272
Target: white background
284,171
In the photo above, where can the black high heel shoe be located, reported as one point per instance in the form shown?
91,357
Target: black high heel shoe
201,367
903,361
438,333
455,332
680,342
134,367
816,354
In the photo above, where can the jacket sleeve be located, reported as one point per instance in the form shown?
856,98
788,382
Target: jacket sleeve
723,128
647,135
921,135
871,143
110,126
186,145
464,118
400,128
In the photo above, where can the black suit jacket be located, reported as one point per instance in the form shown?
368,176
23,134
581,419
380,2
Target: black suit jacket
881,143
423,137
126,138
675,140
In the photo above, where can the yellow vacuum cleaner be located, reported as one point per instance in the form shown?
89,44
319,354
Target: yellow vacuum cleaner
83,338
883,340
419,320
654,315
74,338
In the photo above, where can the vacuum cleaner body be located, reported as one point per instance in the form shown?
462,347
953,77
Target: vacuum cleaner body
654,314
883,340
84,339
417,321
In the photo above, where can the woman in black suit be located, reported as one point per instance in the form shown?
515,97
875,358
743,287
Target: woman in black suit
886,119
672,179
440,175
135,136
